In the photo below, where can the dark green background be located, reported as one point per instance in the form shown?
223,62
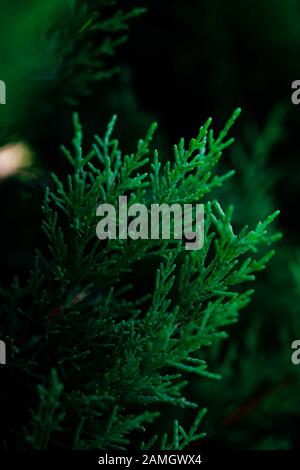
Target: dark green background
185,61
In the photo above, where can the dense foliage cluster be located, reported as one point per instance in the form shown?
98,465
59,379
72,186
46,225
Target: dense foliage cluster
105,338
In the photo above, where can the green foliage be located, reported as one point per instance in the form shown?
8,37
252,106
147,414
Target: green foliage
81,46
252,192
181,439
56,56
257,394
122,347
46,420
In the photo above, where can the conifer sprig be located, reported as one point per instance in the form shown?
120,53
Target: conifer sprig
125,323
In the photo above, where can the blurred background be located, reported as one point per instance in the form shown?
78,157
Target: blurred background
182,62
